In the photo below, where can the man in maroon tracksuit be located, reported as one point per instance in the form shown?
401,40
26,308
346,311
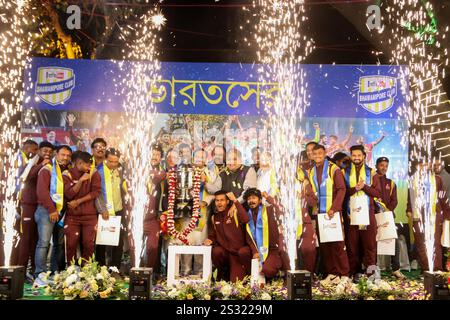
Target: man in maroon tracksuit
227,236
152,226
253,201
361,240
81,188
388,202
334,256
28,203
417,214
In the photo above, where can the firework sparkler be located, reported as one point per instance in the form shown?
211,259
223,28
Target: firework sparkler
281,47
425,58
14,49
140,117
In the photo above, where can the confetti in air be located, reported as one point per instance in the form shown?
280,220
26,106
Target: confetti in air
281,48
140,116
14,50
426,60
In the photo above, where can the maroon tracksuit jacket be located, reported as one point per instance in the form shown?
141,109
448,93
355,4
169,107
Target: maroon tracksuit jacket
368,236
229,242
82,220
151,221
388,192
333,253
273,263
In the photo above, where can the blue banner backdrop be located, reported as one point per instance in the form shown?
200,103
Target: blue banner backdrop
347,91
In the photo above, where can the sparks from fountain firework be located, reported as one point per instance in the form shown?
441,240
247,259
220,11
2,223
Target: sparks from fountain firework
140,116
280,48
14,50
426,64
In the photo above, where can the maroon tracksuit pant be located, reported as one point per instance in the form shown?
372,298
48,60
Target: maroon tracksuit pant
152,231
365,240
28,237
308,247
80,229
238,263
419,242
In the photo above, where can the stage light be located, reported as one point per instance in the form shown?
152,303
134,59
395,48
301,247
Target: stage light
12,279
140,287
436,286
299,285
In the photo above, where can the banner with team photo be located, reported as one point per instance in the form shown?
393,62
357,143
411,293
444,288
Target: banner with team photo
208,104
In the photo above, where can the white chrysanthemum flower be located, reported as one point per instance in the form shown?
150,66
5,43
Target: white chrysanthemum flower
226,290
173,293
266,296
99,276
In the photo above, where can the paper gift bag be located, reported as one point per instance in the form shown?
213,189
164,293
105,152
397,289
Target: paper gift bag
256,276
359,211
330,230
386,226
445,238
386,247
108,231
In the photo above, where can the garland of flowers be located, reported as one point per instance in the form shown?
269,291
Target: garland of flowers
195,209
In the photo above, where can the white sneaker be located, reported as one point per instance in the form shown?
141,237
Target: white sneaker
414,265
41,280
398,274
331,279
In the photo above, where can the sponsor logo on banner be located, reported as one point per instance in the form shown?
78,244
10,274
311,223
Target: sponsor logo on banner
54,85
376,93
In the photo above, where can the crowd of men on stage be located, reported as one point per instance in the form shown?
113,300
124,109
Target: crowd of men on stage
62,193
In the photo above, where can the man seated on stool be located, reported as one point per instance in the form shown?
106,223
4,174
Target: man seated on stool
262,231
227,236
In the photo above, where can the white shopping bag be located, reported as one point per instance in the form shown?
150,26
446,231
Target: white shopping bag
445,239
330,230
386,226
359,211
386,247
256,276
108,231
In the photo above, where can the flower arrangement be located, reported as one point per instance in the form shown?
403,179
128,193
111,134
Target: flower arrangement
88,282
182,236
368,289
222,290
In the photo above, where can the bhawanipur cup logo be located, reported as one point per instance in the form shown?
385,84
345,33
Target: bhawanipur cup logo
376,93
54,85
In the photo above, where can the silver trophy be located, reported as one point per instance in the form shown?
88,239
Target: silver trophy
185,184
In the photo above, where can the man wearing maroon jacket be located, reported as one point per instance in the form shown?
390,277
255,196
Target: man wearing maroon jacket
28,202
46,214
329,201
361,240
262,221
417,211
227,236
152,226
388,202
81,188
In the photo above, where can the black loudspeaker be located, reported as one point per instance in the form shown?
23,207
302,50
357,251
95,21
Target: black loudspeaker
436,286
299,284
12,279
140,287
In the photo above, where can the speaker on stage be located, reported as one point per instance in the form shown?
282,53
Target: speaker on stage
12,279
436,286
140,284
299,285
